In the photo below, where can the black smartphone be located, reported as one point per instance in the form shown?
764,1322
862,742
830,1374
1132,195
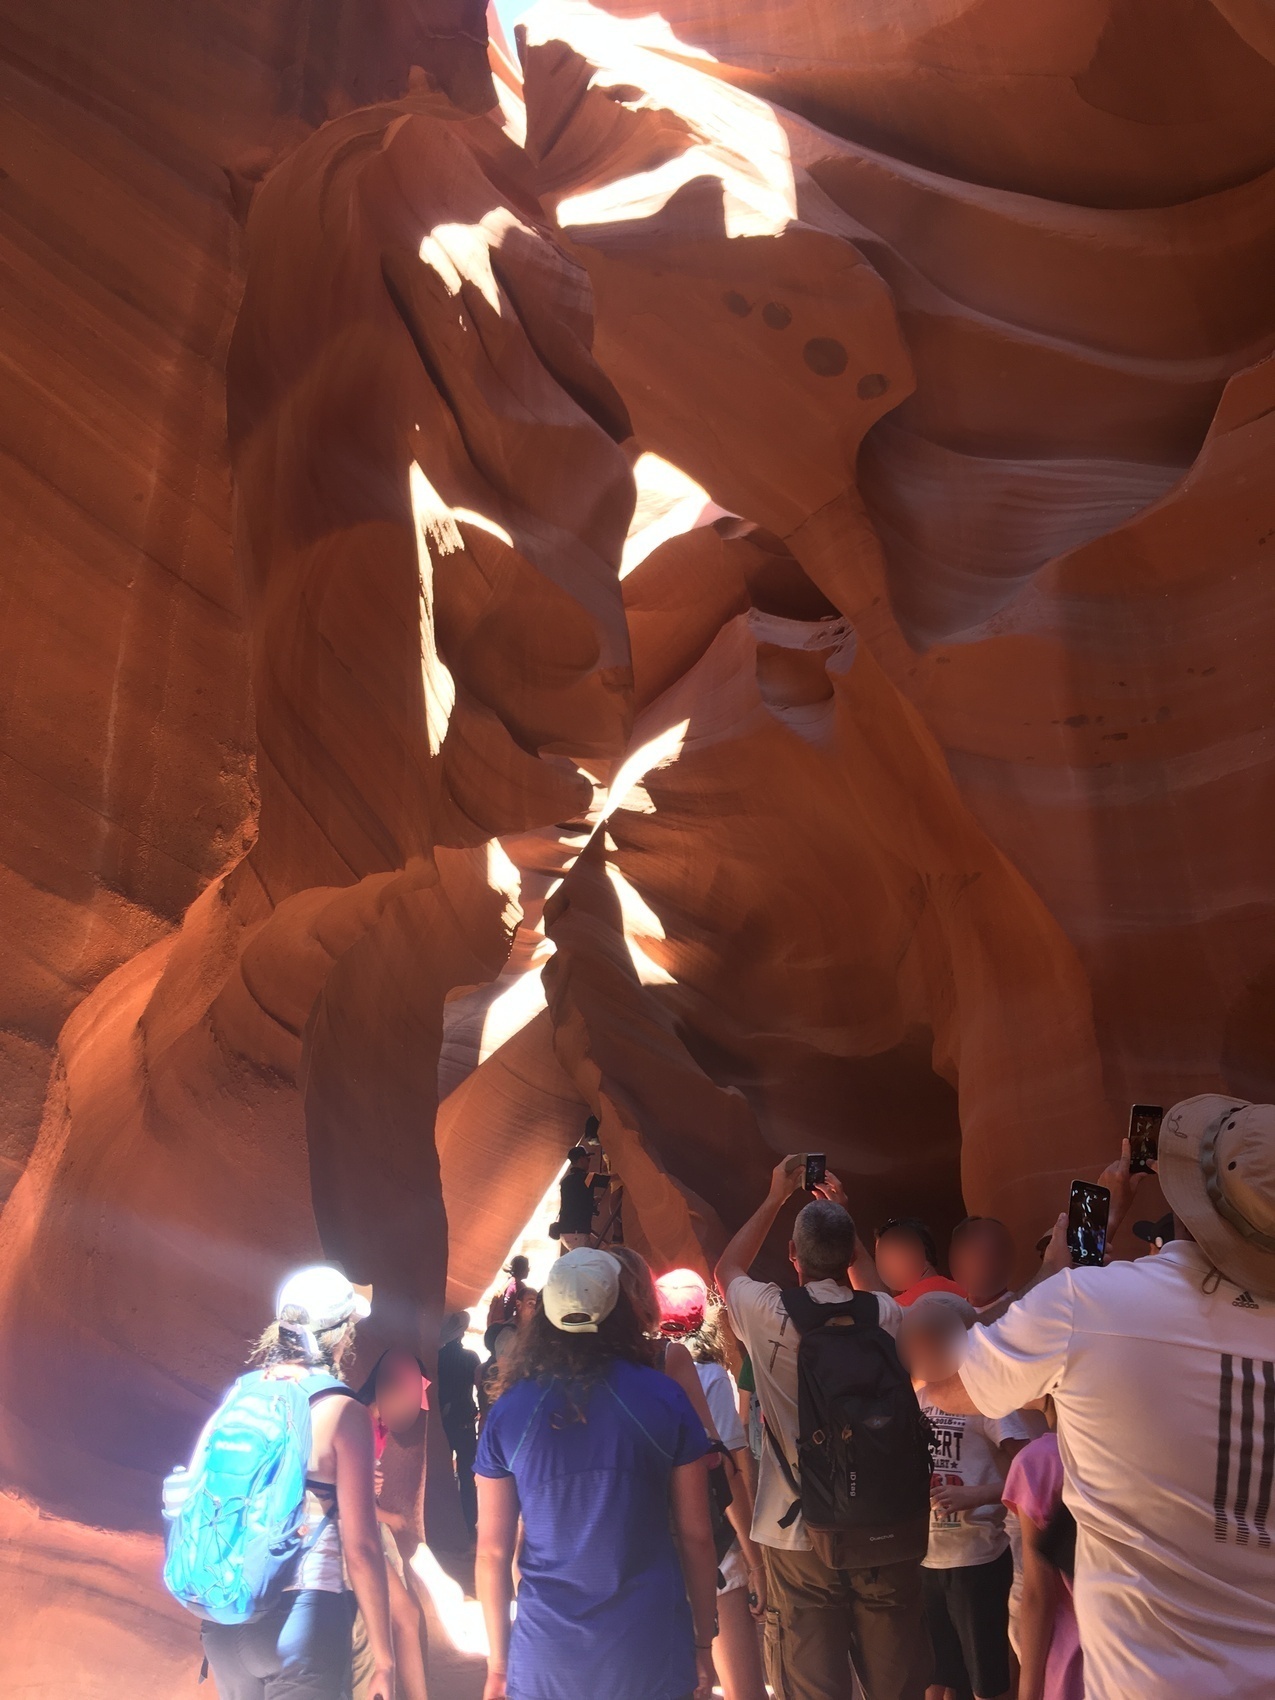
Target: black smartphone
1144,1136
1087,1222
816,1169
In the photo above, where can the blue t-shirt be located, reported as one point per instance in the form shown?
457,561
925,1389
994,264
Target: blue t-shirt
602,1607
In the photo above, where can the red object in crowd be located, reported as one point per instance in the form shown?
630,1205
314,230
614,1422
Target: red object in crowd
930,1284
683,1299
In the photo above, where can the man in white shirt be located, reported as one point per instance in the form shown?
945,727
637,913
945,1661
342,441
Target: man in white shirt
1163,1374
819,1621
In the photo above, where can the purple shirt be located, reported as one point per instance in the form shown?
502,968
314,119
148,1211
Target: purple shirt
602,1607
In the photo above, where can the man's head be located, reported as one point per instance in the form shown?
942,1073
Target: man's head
455,1327
823,1242
578,1158
981,1256
1217,1170
905,1252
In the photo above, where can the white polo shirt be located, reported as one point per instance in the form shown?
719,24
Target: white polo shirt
1166,1426
763,1325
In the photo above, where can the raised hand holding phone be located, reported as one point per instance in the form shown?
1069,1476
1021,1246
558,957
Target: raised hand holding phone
1144,1137
1087,1217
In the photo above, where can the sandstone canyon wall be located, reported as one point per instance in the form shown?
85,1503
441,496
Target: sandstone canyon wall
720,579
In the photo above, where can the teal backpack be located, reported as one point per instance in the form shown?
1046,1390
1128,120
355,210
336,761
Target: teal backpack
234,1515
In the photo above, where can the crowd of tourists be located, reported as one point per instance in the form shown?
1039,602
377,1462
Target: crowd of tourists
880,1480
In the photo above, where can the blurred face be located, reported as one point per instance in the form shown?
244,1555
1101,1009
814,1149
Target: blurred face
398,1391
900,1259
525,1308
981,1258
928,1337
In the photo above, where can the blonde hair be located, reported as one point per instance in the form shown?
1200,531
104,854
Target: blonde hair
710,1343
285,1342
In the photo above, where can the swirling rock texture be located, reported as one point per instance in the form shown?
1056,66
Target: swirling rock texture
743,612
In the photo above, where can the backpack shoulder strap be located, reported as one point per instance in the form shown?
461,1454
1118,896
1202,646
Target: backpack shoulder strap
802,1309
786,1470
808,1314
867,1310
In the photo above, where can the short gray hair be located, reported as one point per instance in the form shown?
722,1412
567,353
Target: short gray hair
824,1239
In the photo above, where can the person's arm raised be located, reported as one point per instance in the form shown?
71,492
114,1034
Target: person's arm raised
745,1247
361,1540
1057,1256
1122,1185
494,1573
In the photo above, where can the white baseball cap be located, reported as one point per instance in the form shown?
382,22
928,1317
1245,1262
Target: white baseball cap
581,1290
325,1297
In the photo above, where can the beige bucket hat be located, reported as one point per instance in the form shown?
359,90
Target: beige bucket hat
1217,1170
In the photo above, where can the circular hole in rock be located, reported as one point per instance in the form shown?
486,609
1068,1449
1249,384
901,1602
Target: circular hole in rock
776,315
825,356
736,303
871,385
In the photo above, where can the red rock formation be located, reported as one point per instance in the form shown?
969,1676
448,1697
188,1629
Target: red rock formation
1065,365
258,1087
902,791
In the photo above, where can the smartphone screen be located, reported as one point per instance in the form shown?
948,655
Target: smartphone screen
816,1169
1087,1222
1144,1136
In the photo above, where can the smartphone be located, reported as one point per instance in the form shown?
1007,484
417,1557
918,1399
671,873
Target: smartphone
1087,1222
1144,1136
816,1169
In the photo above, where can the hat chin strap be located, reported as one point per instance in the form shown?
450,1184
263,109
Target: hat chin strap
308,1337
1221,1203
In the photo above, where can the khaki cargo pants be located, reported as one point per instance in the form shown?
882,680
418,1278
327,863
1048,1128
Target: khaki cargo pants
822,1622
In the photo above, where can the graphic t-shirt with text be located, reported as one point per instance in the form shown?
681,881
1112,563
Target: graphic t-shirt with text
963,1454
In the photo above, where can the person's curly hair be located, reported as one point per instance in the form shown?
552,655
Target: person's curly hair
710,1343
544,1353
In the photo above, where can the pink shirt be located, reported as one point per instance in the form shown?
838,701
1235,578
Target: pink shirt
1034,1488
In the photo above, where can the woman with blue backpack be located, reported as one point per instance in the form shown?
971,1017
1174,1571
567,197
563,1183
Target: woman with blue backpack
272,1530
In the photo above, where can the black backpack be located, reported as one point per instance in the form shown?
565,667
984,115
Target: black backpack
863,1446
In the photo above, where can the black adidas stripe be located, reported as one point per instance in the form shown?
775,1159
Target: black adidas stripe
1223,1449
1244,1475
1268,1455
1224,1509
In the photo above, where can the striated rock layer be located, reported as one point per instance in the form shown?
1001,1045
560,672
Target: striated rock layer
745,611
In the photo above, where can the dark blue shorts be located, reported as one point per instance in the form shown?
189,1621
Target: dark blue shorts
299,1651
